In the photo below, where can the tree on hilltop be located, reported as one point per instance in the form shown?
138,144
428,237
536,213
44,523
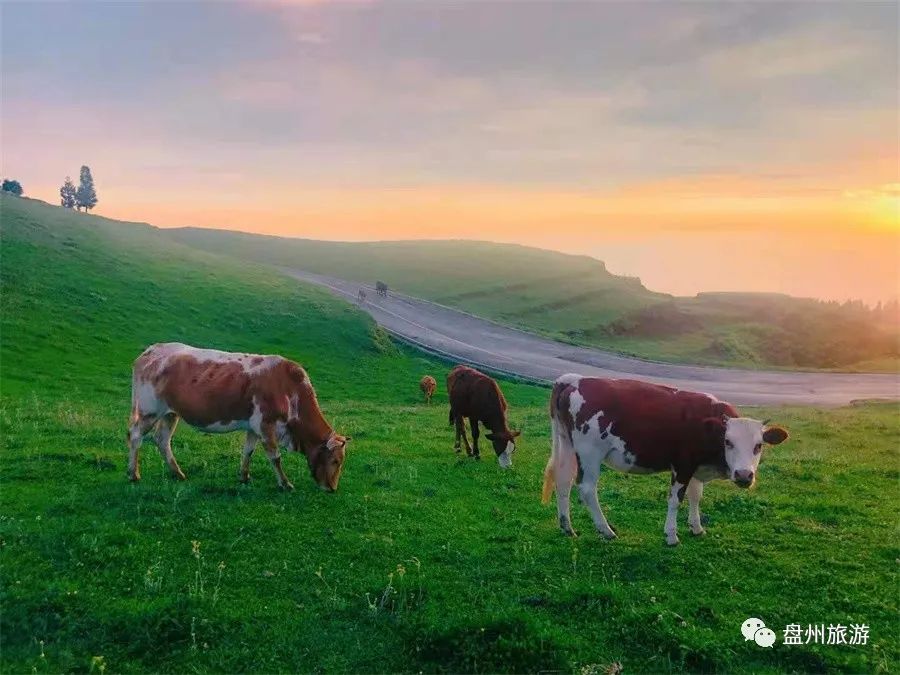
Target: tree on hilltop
67,194
12,186
85,195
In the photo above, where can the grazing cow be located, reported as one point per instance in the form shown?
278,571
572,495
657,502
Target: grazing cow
636,427
381,288
476,396
268,397
427,385
361,297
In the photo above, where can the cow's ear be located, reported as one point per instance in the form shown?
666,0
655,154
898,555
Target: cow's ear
774,435
490,437
714,426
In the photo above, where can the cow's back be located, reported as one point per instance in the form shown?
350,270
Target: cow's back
206,386
652,419
474,394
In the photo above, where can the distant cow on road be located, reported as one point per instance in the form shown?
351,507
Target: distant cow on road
361,297
269,397
636,427
427,384
381,288
476,396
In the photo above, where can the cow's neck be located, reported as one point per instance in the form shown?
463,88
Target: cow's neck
313,430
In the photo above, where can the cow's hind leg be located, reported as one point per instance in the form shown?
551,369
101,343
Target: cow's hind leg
249,446
564,472
694,493
461,434
138,428
270,442
587,478
163,438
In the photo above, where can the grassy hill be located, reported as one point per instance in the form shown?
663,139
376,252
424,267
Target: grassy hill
575,299
421,561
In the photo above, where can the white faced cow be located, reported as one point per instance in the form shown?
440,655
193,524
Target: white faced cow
268,397
636,427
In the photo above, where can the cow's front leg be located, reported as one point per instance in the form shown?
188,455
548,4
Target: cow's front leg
587,479
473,423
274,454
694,494
676,495
249,446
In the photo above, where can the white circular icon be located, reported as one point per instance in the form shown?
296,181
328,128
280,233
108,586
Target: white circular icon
750,626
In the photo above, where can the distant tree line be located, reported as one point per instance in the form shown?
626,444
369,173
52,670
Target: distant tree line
82,197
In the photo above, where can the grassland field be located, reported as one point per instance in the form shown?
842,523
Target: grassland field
422,561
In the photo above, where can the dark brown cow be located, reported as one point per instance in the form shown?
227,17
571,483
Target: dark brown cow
636,427
269,397
476,396
428,384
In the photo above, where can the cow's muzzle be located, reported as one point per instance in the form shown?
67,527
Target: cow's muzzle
743,479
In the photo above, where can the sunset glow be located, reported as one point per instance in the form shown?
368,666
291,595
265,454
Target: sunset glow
743,146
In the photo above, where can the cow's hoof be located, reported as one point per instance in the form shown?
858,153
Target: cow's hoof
287,487
179,476
244,480
609,536
672,540
699,532
135,477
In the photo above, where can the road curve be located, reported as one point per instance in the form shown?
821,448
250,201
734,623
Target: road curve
480,342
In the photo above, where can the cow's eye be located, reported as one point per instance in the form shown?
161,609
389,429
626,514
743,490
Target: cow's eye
728,444
757,449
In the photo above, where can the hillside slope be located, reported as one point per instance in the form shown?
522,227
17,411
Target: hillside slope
575,299
423,561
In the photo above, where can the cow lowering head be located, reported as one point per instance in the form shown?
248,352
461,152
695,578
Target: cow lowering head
504,444
741,439
326,459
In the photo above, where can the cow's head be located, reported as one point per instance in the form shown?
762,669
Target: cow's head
504,444
326,461
741,440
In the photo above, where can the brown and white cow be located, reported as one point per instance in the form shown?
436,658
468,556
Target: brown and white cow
476,396
427,384
268,397
636,427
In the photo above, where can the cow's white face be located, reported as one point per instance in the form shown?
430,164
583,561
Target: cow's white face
505,457
744,438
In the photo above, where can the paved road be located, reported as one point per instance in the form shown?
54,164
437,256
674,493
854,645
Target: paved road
483,343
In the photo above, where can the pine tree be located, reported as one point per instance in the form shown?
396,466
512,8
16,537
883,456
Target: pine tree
85,195
67,194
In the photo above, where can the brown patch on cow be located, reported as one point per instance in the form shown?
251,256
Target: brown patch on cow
256,360
560,408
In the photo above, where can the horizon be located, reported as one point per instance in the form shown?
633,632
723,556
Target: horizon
700,148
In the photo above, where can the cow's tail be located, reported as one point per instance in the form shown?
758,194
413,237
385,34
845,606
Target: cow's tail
556,449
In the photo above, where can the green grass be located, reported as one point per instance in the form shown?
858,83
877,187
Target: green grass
575,299
422,561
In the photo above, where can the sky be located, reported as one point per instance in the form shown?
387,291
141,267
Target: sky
748,146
